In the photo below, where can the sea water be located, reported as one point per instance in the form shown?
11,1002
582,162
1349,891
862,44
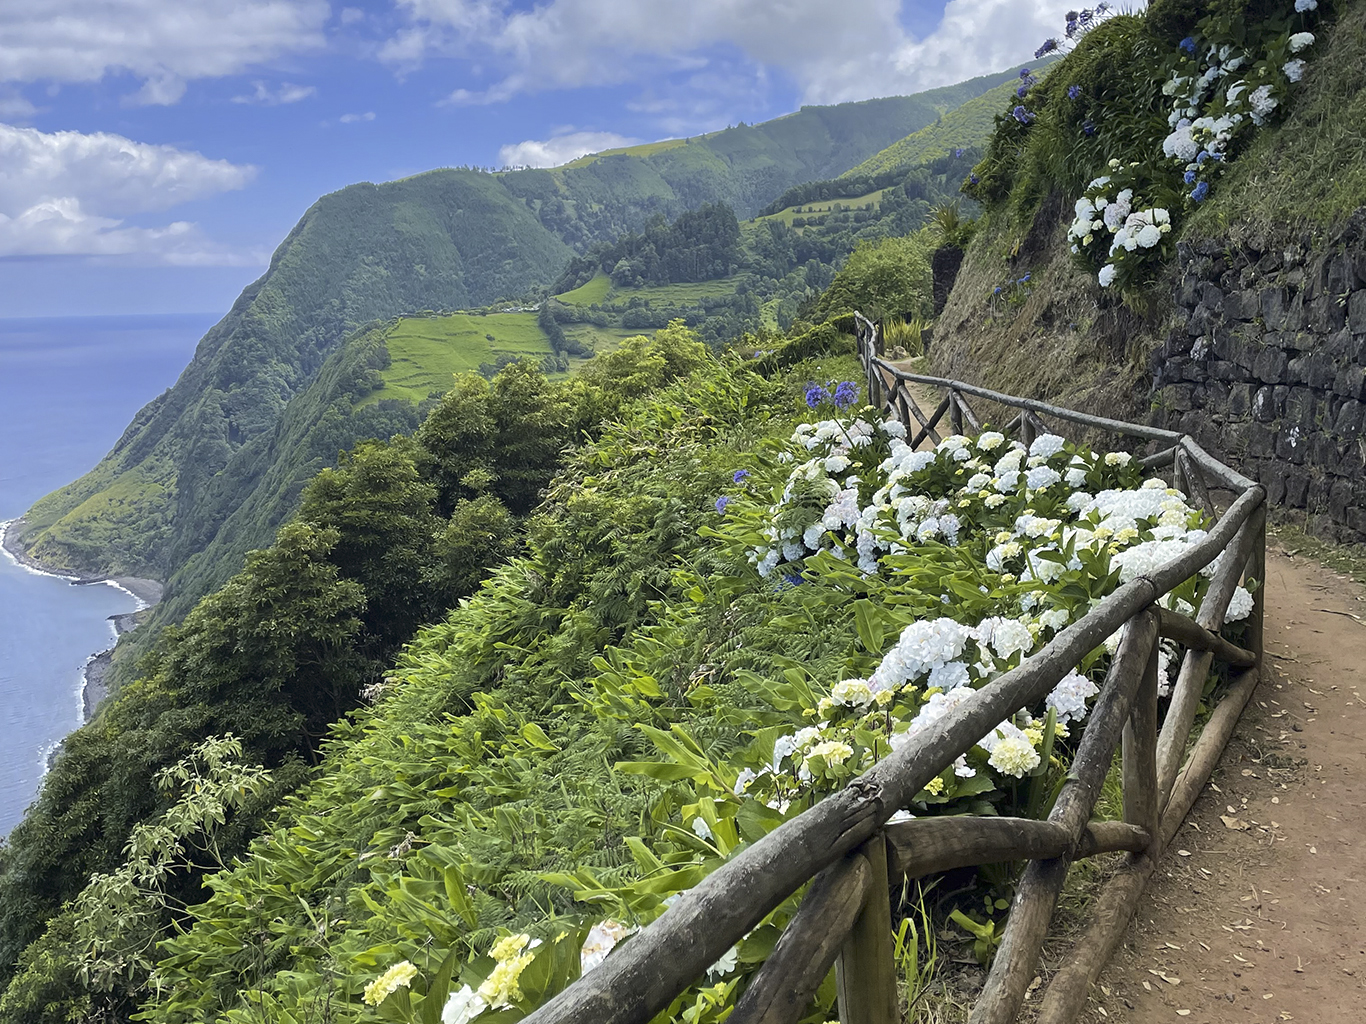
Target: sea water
68,387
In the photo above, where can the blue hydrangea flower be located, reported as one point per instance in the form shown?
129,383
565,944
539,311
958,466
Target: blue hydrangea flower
846,394
1188,45
1201,157
721,504
1073,91
740,476
1200,192
1190,177
815,395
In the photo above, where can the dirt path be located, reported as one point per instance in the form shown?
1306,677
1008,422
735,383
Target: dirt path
1258,913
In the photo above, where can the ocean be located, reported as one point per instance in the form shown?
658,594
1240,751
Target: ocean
68,387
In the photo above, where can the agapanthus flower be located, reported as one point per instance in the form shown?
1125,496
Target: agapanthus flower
973,179
1073,91
1048,46
815,395
1088,128
740,476
845,394
721,504
1022,91
1022,115
958,154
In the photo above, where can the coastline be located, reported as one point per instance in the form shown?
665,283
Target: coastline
94,677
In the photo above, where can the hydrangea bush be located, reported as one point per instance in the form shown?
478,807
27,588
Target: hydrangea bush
1222,81
956,563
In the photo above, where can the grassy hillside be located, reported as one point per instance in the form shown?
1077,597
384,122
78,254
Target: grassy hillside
968,125
424,352
444,240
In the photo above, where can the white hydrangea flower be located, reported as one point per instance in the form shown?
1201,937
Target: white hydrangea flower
893,428
1069,697
1106,277
1046,445
949,676
1239,606
1054,619
1041,477
852,692
990,440
1293,69
464,1005
1301,41
1014,756
602,939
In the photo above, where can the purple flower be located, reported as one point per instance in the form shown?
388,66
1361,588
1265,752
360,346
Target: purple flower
1024,72
958,154
1073,91
973,179
1202,157
815,395
1188,45
1071,27
793,579
1190,177
721,504
1200,192
1049,45
1021,91
741,475
996,290
1085,17
846,394
1024,280
1022,115
1088,128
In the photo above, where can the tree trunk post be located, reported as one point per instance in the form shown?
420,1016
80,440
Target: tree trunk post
955,413
866,970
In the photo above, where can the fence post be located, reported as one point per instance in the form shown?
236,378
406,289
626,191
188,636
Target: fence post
1256,569
866,971
1140,754
955,412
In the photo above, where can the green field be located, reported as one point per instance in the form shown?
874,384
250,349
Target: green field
425,352
586,294
823,206
601,290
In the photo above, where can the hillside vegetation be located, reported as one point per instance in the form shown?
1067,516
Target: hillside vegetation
446,240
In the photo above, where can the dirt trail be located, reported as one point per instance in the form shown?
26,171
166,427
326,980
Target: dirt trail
1258,913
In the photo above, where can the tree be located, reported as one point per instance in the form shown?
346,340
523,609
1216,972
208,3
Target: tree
890,277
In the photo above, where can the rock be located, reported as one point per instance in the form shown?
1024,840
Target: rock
1273,304
1347,423
1339,275
1211,297
1356,312
1325,314
1263,406
1271,366
1350,382
1241,305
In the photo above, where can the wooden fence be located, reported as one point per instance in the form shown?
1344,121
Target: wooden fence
849,852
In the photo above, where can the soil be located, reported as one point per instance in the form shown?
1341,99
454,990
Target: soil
1257,912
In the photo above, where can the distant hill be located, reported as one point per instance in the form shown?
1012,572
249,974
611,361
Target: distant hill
445,240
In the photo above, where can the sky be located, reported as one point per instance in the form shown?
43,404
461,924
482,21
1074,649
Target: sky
154,152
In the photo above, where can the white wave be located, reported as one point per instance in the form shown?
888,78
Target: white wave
4,530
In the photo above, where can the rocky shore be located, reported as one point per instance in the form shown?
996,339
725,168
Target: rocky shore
146,592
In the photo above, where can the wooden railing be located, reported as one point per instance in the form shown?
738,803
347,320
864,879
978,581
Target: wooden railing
846,848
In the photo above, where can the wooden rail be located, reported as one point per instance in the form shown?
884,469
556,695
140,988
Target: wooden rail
845,847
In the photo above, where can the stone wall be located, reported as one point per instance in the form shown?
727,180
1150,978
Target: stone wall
1267,368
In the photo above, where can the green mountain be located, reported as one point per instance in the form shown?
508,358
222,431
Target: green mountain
191,460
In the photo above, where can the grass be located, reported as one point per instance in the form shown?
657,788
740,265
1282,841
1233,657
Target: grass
685,294
425,352
602,339
823,206
587,294
643,150
1309,172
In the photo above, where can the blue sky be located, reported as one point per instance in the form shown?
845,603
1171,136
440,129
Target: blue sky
154,152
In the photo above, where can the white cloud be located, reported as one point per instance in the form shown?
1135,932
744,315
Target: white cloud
864,51
369,115
287,92
68,193
560,149
165,43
